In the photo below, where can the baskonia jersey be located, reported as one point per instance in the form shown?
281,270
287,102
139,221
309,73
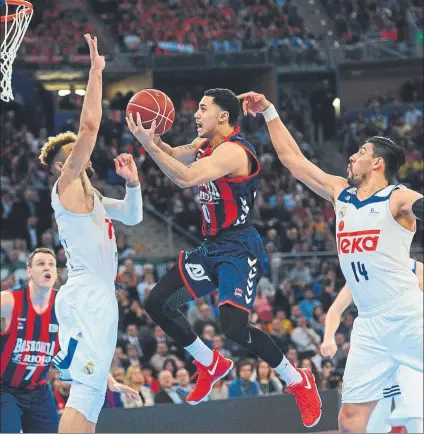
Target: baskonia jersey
29,344
228,202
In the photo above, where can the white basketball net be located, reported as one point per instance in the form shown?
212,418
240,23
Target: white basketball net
14,32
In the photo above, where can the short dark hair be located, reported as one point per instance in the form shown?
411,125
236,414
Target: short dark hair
227,101
39,250
241,364
392,154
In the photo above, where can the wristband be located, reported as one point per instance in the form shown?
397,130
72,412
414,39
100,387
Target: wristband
270,113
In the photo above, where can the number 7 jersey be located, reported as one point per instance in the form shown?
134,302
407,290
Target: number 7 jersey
374,250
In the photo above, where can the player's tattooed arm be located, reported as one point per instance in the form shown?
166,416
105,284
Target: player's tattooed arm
7,304
186,154
226,159
407,204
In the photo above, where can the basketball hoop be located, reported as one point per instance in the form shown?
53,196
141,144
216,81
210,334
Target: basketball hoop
14,25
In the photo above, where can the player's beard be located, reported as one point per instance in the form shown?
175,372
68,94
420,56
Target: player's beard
356,182
90,172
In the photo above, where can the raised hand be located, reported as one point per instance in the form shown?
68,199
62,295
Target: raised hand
97,62
143,135
125,166
253,103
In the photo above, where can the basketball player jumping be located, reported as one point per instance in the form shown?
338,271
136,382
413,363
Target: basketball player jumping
225,167
409,404
29,340
375,226
86,305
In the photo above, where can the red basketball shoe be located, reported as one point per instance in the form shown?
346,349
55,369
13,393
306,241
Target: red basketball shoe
398,429
307,398
208,376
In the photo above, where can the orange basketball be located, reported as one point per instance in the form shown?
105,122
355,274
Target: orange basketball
152,105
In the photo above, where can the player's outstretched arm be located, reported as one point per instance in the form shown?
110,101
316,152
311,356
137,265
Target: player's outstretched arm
130,210
186,154
226,159
332,321
91,116
6,308
289,153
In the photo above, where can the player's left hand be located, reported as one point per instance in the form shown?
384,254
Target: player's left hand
144,135
125,166
114,386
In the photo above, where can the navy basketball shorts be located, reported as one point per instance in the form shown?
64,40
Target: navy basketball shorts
233,261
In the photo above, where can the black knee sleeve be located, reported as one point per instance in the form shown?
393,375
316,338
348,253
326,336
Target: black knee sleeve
235,326
165,290
234,322
163,303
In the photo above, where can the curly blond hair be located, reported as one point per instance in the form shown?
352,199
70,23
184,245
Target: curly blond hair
53,144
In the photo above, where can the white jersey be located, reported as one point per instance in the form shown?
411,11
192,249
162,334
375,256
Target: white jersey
374,250
88,240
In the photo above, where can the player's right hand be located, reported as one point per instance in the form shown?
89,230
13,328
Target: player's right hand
253,103
328,348
97,62
144,135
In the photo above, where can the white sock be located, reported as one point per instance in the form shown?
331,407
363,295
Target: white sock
288,372
200,352
414,425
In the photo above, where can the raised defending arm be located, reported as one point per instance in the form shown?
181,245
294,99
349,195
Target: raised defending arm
289,153
91,116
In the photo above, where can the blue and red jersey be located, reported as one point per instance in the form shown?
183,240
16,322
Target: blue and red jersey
29,344
228,202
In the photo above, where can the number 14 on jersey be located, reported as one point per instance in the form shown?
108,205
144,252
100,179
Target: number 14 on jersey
359,270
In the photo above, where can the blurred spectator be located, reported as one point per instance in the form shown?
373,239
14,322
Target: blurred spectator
304,337
205,317
280,333
300,276
218,342
268,382
219,391
292,357
132,355
328,295
132,338
128,277
149,380
162,353
134,378
168,393
341,363
183,382
144,287
243,386
308,304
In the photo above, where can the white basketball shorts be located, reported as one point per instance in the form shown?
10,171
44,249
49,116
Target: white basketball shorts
379,345
409,404
87,312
